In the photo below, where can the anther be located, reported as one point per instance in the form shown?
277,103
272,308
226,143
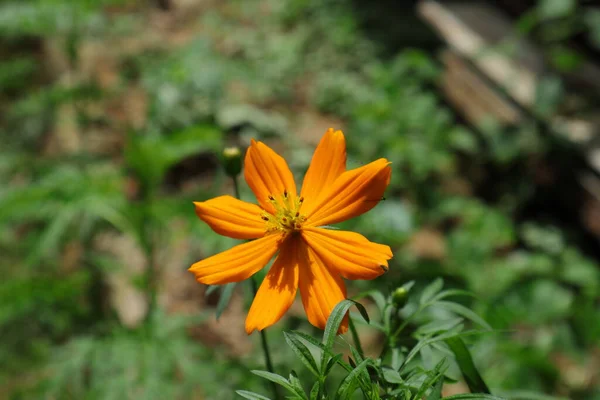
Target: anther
297,213
271,198
265,218
284,219
285,194
301,199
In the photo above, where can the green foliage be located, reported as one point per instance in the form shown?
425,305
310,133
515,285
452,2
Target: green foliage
167,364
408,376
517,294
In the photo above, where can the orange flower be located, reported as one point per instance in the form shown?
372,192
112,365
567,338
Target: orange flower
310,257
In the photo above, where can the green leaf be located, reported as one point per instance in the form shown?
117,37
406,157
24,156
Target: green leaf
397,358
392,376
437,326
436,391
251,395
466,365
431,290
314,392
350,382
332,361
463,311
433,377
451,293
427,341
375,295
52,235
302,352
297,385
324,353
333,324
278,379
363,311
224,299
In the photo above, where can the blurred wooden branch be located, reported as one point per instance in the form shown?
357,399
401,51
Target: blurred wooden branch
481,81
470,93
473,30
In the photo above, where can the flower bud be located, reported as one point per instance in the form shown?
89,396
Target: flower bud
400,297
232,161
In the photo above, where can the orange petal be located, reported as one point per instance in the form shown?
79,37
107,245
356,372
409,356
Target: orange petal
321,290
348,253
353,193
267,174
277,291
238,263
231,217
328,162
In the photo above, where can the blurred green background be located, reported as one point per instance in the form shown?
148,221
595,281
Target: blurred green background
113,115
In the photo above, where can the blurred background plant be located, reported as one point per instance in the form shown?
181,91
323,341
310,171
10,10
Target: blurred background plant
114,113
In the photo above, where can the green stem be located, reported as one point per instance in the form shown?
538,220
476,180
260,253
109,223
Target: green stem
263,334
236,187
392,339
265,346
355,337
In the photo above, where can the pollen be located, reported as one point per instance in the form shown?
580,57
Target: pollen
287,217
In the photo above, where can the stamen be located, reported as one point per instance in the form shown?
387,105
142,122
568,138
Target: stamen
285,216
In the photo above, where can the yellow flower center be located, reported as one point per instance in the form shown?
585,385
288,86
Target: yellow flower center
287,217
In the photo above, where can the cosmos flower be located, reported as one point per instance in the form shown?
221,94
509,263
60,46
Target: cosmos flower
293,226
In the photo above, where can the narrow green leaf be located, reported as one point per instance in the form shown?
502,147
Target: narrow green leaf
226,294
211,289
333,325
350,382
325,353
352,362
314,392
308,338
335,320
52,236
297,385
251,395
363,311
426,342
434,327
332,361
431,290
376,295
436,391
463,311
278,379
302,352
432,377
397,358
451,293
466,365
356,354
392,376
